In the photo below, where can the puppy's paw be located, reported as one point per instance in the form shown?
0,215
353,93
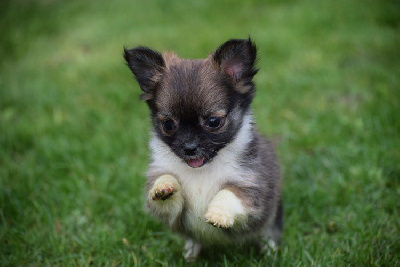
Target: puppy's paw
225,210
192,250
164,187
219,217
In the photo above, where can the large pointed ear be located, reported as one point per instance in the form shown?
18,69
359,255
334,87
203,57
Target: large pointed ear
236,58
147,66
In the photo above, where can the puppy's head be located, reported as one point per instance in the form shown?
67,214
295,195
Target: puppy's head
197,106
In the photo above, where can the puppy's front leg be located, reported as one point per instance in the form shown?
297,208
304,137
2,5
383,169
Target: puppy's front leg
225,210
165,198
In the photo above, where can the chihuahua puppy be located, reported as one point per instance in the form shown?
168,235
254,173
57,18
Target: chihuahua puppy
213,178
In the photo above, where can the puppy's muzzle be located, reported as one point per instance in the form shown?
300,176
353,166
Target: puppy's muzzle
190,148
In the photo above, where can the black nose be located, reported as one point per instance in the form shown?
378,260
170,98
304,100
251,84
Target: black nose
190,149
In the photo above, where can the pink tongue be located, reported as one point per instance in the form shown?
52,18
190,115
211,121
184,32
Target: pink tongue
195,163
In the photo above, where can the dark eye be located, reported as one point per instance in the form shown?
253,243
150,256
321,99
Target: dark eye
168,126
213,123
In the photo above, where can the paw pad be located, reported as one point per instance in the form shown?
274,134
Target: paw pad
162,193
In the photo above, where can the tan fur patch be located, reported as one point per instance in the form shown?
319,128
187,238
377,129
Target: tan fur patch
170,59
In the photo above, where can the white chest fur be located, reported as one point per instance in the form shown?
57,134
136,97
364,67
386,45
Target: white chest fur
200,185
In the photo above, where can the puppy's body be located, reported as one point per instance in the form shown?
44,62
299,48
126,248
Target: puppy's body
212,178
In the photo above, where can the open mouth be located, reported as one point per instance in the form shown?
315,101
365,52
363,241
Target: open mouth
195,163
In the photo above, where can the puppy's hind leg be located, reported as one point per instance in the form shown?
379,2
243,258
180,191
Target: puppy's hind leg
192,250
271,236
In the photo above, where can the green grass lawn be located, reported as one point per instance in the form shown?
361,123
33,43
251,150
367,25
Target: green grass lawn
73,133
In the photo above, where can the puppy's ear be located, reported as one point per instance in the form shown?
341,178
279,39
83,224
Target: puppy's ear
236,58
147,66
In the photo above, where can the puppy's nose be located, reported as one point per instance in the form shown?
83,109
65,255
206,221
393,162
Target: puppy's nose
190,148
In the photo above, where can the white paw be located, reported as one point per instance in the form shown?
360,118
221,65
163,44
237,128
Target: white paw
167,188
269,247
217,216
192,250
164,187
225,210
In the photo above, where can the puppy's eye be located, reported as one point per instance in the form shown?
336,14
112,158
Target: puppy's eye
168,126
214,123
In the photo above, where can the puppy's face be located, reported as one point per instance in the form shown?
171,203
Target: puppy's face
197,106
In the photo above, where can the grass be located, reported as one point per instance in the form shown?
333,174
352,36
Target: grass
73,133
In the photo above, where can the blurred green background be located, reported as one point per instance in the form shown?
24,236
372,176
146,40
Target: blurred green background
73,133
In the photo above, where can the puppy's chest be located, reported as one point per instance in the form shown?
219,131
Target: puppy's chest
199,186
198,189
